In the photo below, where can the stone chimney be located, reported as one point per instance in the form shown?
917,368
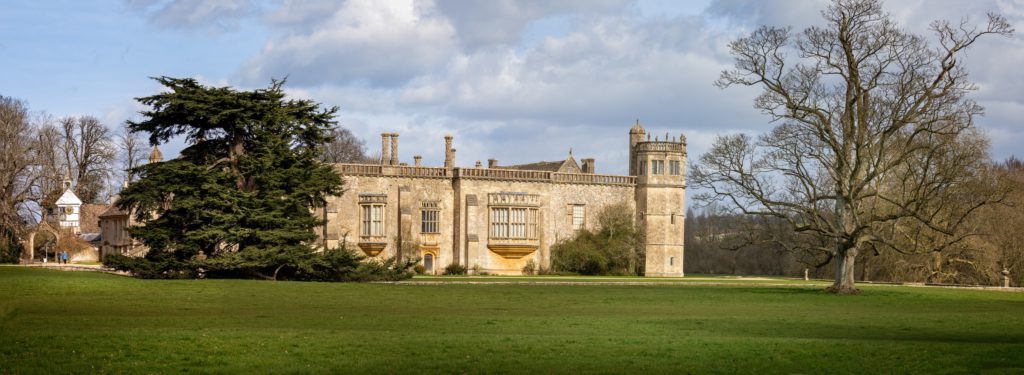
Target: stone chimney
417,161
492,163
588,165
449,152
384,158
479,164
394,148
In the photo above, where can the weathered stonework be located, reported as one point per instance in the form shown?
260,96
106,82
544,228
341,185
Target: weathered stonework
497,219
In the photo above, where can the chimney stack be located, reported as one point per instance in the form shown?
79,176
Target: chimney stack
417,161
384,159
449,152
394,148
479,164
588,165
492,163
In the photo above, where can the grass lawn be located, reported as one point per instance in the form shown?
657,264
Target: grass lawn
85,322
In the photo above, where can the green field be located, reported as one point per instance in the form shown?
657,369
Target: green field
85,322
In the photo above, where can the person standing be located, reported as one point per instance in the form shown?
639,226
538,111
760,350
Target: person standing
65,257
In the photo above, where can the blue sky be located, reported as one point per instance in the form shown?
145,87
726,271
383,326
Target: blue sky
517,81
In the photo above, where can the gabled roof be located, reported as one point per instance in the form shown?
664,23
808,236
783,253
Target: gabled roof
568,165
68,199
112,211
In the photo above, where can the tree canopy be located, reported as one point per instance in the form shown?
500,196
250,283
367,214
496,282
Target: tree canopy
875,146
241,196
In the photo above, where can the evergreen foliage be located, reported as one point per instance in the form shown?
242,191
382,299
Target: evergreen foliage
614,249
239,200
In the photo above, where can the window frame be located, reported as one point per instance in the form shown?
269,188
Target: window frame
369,224
657,167
512,223
578,222
430,218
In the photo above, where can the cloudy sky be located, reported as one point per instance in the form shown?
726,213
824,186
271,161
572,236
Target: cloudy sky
517,81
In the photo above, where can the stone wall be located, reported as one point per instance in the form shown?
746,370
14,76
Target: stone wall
461,197
405,196
555,218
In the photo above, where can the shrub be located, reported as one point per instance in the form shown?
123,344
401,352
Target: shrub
455,269
420,270
155,265
530,268
339,264
389,269
614,249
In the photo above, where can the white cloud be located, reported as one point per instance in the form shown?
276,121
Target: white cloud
210,15
523,81
382,43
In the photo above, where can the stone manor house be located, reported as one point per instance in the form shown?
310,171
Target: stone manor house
497,219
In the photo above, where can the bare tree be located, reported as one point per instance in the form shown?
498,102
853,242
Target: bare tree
874,136
1003,224
16,167
51,166
132,150
90,153
343,147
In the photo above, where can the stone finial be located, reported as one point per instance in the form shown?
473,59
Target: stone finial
479,164
637,128
417,161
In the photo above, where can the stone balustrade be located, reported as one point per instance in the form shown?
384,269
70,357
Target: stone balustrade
660,146
484,174
392,170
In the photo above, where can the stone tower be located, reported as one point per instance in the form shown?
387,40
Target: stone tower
660,199
636,135
156,156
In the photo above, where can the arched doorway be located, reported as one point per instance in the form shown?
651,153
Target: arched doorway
428,263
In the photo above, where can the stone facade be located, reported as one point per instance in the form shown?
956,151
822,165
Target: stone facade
114,224
497,219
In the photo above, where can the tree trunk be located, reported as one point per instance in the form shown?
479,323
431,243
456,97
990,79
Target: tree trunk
845,263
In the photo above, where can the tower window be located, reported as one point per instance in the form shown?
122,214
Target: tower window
657,167
673,167
641,167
